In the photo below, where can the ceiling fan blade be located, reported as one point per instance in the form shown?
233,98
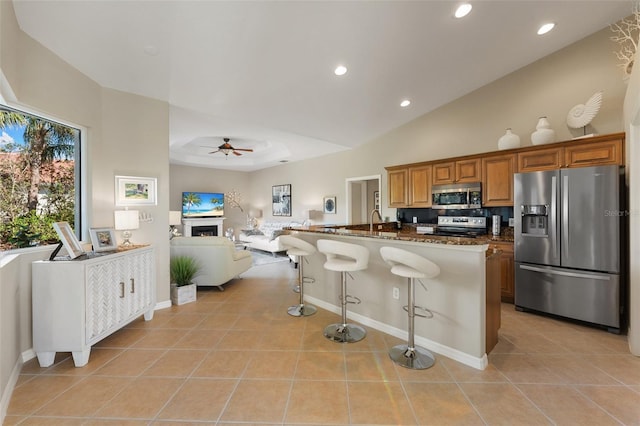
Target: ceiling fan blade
243,149
236,153
213,152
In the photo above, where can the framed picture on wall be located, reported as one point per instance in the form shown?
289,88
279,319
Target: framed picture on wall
329,204
281,200
135,191
376,200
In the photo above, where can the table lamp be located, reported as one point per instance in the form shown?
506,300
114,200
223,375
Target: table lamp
125,221
251,218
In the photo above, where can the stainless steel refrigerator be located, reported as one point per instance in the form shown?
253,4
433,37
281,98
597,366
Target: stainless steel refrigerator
567,235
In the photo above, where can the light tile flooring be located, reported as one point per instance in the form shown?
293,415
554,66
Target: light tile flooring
236,357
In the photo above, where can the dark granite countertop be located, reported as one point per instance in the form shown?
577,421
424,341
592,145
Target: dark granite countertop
408,232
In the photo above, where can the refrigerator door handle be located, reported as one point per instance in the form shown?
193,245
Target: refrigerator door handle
565,273
554,232
565,212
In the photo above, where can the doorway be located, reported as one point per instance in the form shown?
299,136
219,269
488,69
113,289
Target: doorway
360,198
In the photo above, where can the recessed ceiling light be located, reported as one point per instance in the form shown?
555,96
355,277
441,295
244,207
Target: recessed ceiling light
463,10
340,70
546,28
405,103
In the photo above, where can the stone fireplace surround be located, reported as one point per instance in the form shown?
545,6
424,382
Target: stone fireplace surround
191,226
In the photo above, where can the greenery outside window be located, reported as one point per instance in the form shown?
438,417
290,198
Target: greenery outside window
39,178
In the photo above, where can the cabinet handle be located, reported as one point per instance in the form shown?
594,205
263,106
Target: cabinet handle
133,285
121,289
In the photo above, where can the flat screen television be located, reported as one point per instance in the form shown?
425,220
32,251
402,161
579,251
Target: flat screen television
202,204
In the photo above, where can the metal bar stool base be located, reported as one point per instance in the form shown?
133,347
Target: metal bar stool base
344,333
301,310
415,359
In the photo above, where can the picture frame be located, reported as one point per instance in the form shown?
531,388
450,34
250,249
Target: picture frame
281,200
376,200
329,205
68,239
103,239
135,191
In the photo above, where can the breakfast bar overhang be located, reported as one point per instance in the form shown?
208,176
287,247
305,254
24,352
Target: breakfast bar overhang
457,296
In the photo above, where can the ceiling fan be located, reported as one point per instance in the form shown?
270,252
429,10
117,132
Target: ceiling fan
226,149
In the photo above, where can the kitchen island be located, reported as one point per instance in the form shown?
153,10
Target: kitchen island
457,296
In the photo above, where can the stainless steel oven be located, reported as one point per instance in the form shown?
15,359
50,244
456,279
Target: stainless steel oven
456,196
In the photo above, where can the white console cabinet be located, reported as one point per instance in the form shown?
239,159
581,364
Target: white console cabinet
77,303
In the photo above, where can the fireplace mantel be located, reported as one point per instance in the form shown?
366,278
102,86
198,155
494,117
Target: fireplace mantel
189,224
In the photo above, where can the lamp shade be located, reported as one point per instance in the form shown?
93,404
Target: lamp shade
175,217
255,213
126,219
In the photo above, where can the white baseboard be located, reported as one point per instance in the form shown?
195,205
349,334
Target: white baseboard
471,361
8,390
163,305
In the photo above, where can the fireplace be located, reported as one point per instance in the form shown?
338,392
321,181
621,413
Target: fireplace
203,227
204,231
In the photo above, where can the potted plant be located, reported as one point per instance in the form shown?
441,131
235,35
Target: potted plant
183,269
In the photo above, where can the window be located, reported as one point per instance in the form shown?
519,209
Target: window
39,178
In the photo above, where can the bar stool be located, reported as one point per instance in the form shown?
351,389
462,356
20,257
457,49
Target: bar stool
297,247
410,265
344,258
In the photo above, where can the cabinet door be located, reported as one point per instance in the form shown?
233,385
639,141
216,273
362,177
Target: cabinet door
541,159
106,304
397,181
468,171
138,288
444,173
594,154
420,186
507,271
497,180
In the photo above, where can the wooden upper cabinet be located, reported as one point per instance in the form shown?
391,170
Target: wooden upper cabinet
497,180
541,159
596,151
457,171
594,154
420,186
397,181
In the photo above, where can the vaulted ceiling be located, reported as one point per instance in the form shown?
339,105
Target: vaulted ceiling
262,72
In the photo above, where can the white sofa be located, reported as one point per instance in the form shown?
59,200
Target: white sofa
266,236
218,258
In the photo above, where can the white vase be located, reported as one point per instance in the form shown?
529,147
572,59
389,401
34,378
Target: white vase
509,140
544,133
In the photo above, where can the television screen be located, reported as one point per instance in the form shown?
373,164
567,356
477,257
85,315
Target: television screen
202,204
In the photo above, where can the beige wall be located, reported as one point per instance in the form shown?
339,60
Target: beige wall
125,135
471,124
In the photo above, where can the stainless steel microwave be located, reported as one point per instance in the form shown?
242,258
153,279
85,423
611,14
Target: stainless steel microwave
456,196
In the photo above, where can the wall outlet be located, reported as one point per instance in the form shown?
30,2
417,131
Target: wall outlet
396,293
512,221
415,219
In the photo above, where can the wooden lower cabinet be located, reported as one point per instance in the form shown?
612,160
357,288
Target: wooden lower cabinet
507,270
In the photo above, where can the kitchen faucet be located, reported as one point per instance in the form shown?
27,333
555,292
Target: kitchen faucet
374,211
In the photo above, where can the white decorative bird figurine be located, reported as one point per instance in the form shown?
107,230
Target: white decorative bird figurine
582,114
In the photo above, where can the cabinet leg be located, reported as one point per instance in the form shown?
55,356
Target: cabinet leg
148,316
45,359
80,358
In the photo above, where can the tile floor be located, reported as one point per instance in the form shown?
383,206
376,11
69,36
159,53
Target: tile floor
236,358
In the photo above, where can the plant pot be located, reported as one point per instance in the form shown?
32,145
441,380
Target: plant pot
183,294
